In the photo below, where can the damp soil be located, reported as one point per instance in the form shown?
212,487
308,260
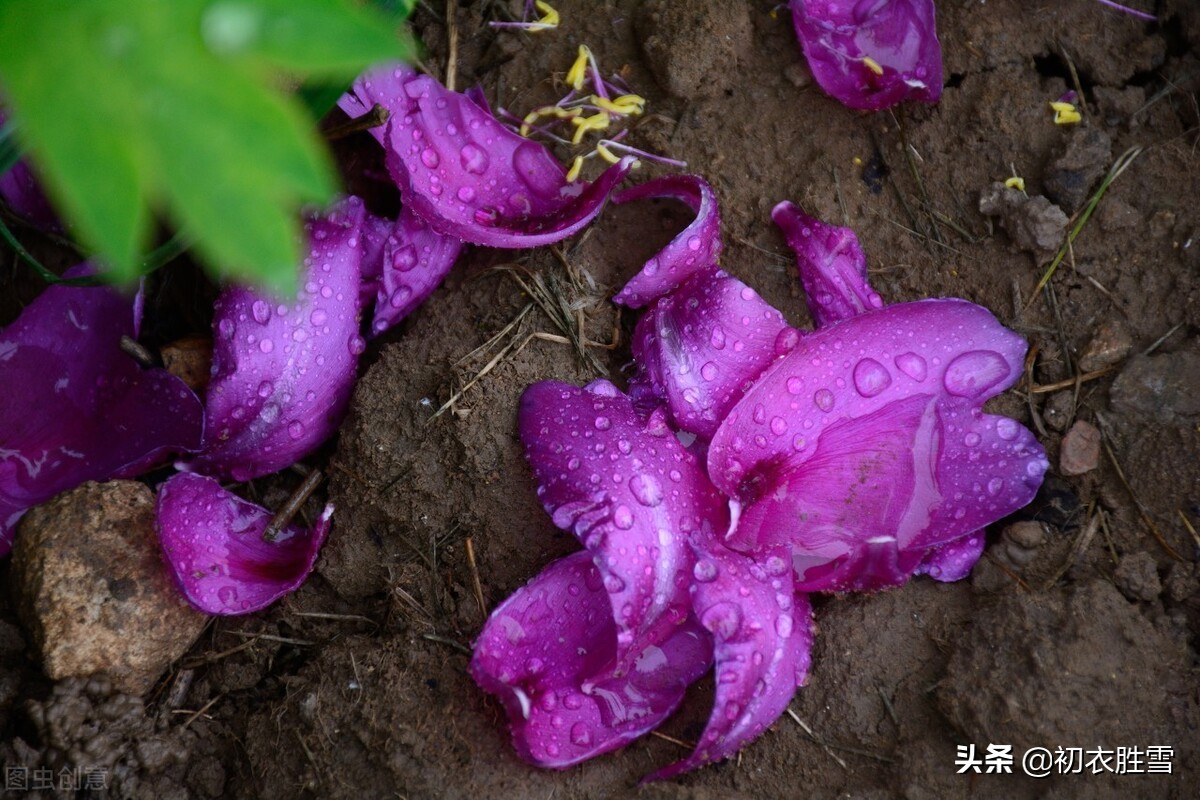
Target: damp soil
1078,628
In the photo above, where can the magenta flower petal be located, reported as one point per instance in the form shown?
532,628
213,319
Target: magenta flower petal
414,261
76,407
701,346
283,372
696,248
213,545
629,491
953,560
871,54
468,175
763,644
548,653
383,87
833,267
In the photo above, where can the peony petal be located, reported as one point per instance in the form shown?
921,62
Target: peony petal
833,267
77,407
871,54
212,541
701,346
629,491
547,653
283,373
696,248
413,262
953,560
468,175
877,458
763,643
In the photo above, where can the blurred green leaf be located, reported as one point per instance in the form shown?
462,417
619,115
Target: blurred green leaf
132,107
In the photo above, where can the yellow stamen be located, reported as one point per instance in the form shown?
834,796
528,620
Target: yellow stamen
856,161
547,111
1016,182
578,71
1065,113
606,154
549,18
573,172
872,65
623,106
596,122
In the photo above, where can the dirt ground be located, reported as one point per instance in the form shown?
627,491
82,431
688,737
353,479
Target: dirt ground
1080,626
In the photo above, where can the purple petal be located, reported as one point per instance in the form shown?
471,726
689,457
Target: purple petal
701,346
413,262
833,267
383,87
629,491
283,373
874,459
212,541
547,653
696,248
77,408
953,560
871,54
763,644
471,177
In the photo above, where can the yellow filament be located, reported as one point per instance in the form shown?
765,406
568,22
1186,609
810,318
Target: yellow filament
623,106
547,111
549,18
576,166
606,154
1016,182
1065,113
872,65
578,71
596,122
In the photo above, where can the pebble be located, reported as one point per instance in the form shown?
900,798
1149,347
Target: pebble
1160,388
1081,161
1109,345
1136,576
1080,450
90,587
1058,410
692,47
1033,223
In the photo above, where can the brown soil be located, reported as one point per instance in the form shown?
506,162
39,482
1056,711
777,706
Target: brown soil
1081,633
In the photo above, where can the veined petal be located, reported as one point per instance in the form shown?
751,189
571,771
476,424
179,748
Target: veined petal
697,247
77,408
213,545
833,267
548,653
762,633
629,491
871,54
701,346
413,261
283,372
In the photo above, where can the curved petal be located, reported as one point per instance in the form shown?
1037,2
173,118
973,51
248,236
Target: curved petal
629,491
701,346
383,87
833,267
695,248
413,262
76,407
871,54
283,373
953,560
763,645
213,545
547,653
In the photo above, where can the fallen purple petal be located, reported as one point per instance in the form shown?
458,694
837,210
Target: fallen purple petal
872,54
411,264
283,372
213,545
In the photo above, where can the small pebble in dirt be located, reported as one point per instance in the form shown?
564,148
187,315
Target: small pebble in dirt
1137,577
1079,162
1080,450
190,360
1015,550
1160,388
91,588
1182,581
693,46
1109,345
1058,410
1034,224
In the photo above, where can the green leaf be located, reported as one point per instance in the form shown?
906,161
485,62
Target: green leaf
132,108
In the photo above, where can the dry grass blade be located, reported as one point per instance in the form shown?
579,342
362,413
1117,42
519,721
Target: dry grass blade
1086,534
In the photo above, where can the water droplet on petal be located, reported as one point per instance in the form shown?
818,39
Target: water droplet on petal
580,734
265,388
296,429
603,423
473,159
913,366
709,371
466,194
429,157
1007,429
261,312
623,518
870,377
824,399
995,485
705,570
972,374
318,317
972,439
786,341
646,490
794,385
717,339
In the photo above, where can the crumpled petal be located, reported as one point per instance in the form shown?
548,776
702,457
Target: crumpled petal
76,407
412,261
631,494
871,54
880,456
953,560
701,346
548,653
697,247
383,87
283,372
763,646
832,265
213,545
469,176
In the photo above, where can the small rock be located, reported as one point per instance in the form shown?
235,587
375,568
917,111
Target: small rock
1080,450
798,74
1137,577
1059,409
1110,344
1114,214
1034,224
1119,105
693,48
1182,581
190,360
1162,388
1027,535
1081,160
91,588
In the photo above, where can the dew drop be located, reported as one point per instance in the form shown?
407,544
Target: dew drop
693,243
466,194
405,258
580,734
603,423
973,373
473,159
623,518
995,485
429,157
318,317
972,439
913,366
613,584
786,341
778,426
709,371
1007,428
794,385
717,339
705,570
296,429
783,625
399,297
824,399
227,595
265,388
870,377
261,312
646,490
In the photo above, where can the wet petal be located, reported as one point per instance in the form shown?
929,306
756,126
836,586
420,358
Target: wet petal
953,560
701,346
696,248
283,372
871,54
383,87
412,263
833,267
763,643
629,491
76,407
212,541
